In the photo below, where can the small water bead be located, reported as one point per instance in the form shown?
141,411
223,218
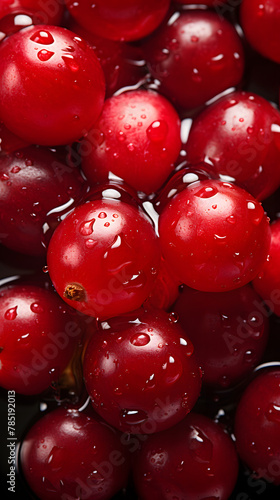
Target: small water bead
130,147
206,192
71,63
133,417
231,219
43,37
140,339
11,313
37,308
15,169
157,131
90,243
102,215
44,55
86,228
273,413
45,269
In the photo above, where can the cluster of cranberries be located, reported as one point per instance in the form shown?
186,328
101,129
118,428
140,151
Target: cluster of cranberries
139,161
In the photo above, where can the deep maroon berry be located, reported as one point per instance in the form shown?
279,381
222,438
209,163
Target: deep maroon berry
193,460
195,55
141,373
69,454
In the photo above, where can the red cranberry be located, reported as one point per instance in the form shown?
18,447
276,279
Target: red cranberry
229,332
103,258
69,454
122,20
141,373
195,55
214,235
257,426
52,85
38,337
193,460
240,135
35,188
137,138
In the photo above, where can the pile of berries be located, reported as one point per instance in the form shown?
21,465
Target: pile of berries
140,247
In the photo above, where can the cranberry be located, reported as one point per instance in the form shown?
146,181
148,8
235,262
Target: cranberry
103,258
267,282
137,137
122,63
69,453
195,55
257,425
35,186
119,20
52,82
193,460
229,332
260,22
239,135
140,372
38,337
214,235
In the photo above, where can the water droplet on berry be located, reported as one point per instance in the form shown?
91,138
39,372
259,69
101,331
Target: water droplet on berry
140,339
231,219
157,131
102,215
43,37
130,147
44,55
133,417
90,243
37,308
173,317
11,313
70,62
273,413
45,269
15,170
86,228
206,192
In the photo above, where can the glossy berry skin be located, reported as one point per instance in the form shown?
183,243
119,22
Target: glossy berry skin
41,12
70,453
122,63
240,135
193,460
119,20
229,332
52,85
215,236
38,337
141,373
35,187
103,258
195,55
10,142
257,425
137,137
267,282
260,22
